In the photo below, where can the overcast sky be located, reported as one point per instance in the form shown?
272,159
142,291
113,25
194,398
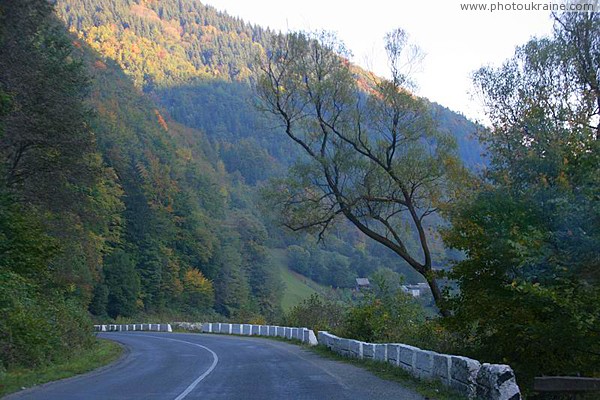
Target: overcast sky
456,42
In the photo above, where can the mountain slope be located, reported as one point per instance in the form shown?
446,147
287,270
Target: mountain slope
197,62
182,219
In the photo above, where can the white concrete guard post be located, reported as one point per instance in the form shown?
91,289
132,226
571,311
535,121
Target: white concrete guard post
393,354
133,327
247,330
224,328
467,376
304,335
368,351
280,331
380,352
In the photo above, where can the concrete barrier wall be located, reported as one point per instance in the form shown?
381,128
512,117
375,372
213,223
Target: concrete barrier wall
467,376
304,335
133,327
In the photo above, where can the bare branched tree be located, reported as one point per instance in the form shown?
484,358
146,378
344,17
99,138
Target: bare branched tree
374,155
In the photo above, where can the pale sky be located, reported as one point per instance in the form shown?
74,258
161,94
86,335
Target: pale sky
455,42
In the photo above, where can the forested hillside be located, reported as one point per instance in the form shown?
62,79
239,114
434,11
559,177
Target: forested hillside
60,205
186,223
149,220
197,62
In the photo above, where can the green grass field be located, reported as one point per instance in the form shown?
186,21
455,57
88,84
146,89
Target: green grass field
104,352
297,287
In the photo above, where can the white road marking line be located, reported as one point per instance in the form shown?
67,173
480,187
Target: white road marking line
191,387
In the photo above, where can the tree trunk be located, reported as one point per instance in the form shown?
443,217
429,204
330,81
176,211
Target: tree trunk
437,293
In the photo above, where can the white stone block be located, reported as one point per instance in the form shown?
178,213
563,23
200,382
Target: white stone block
393,354
355,349
441,368
424,363
380,352
368,351
295,333
324,338
407,357
463,375
497,382
225,328
312,339
246,329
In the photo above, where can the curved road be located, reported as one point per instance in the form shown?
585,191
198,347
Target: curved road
201,366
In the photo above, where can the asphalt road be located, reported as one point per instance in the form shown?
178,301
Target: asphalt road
200,366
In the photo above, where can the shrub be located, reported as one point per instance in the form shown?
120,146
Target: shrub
316,313
391,318
38,328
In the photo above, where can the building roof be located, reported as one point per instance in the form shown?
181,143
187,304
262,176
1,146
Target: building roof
363,282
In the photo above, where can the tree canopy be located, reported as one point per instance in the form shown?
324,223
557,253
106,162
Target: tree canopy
528,289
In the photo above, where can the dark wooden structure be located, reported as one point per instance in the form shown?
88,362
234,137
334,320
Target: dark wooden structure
567,385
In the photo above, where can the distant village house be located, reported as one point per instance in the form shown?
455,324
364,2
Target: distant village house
362,284
416,290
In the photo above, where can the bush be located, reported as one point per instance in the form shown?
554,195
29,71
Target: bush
299,260
388,315
38,328
387,319
316,313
